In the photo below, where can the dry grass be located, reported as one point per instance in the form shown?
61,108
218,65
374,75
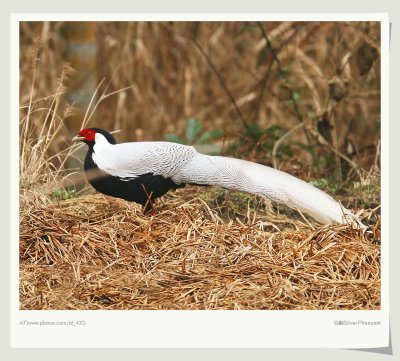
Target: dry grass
308,72
100,253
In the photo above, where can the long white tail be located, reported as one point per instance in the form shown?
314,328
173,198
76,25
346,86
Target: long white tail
245,176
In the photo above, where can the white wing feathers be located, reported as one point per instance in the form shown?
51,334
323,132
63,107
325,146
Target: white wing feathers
184,165
130,160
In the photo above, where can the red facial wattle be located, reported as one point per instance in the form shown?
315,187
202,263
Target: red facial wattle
88,134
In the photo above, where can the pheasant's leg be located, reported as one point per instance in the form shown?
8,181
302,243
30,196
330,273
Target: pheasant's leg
149,205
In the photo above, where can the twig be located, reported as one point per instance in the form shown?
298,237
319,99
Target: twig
305,219
149,201
25,133
103,96
220,78
85,119
346,158
281,139
275,58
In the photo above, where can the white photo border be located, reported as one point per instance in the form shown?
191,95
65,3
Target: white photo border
190,329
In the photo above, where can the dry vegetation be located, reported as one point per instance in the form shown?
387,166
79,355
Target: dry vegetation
304,97
98,253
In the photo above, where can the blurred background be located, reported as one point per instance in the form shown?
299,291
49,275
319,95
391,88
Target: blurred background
303,97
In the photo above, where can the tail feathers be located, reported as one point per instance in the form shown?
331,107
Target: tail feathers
292,191
245,176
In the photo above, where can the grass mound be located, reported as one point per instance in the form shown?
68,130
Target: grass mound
94,252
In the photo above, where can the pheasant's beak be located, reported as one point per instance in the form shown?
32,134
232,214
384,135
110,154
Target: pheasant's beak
78,138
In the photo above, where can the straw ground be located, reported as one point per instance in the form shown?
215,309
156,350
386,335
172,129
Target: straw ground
94,252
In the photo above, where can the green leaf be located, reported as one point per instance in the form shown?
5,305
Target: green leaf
246,28
193,128
283,73
305,147
254,131
296,95
209,136
211,149
275,132
174,138
62,194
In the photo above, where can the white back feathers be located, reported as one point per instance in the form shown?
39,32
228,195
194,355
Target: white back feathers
183,164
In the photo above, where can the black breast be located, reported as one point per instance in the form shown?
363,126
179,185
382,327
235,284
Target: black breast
138,189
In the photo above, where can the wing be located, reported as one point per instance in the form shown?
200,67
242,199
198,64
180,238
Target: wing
131,160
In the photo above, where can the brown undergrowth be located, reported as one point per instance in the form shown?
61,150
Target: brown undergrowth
95,252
